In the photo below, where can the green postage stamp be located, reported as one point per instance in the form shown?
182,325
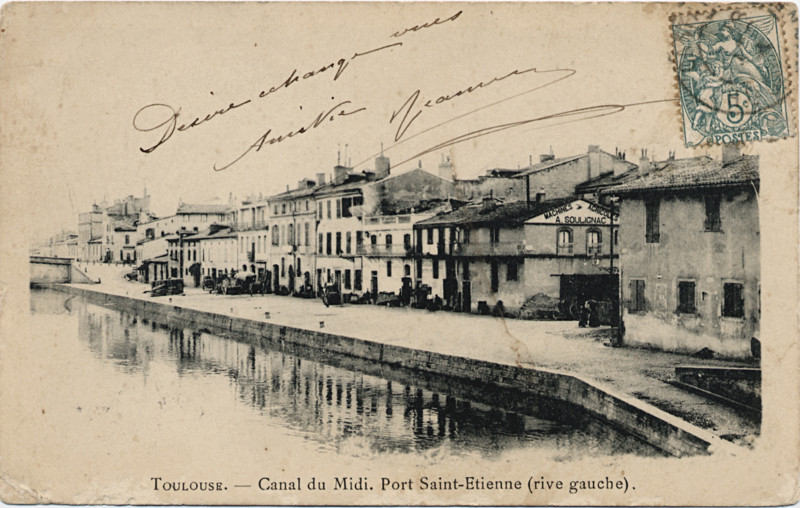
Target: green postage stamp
731,80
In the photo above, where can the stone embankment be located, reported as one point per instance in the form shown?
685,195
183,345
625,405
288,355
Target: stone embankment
624,412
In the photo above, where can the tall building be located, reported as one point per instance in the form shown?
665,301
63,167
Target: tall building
690,254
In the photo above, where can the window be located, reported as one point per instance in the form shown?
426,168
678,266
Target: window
435,265
712,222
652,231
299,266
338,243
347,279
348,241
637,295
733,300
419,268
319,214
564,246
306,233
389,241
407,271
494,235
346,204
686,301
430,236
407,242
283,208
359,239
357,280
338,209
495,277
465,270
290,234
512,270
594,240
127,239
373,240
328,237
283,267
329,208
465,235
388,268
320,243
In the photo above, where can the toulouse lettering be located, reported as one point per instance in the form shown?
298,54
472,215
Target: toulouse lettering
158,483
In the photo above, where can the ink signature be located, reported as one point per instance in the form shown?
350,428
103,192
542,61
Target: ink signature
162,119
410,105
166,116
324,118
571,115
429,24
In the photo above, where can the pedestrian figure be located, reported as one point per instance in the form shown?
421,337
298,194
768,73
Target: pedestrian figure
586,312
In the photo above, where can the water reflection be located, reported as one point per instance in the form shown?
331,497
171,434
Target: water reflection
321,399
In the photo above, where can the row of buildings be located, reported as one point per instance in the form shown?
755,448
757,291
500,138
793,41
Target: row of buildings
671,247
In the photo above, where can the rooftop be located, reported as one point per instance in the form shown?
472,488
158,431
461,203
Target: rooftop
215,232
543,166
693,173
509,214
185,208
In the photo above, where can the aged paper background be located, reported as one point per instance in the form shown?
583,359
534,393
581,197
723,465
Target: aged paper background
72,76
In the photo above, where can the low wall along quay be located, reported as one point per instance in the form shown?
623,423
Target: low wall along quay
661,430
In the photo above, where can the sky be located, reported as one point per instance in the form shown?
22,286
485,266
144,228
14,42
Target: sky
89,84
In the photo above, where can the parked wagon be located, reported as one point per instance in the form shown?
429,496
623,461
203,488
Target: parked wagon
331,295
166,287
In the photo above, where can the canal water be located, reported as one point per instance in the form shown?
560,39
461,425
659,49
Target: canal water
323,405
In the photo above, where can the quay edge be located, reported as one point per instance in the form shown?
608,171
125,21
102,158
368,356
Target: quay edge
666,432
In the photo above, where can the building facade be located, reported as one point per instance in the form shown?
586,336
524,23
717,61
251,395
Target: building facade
690,255
491,256
292,242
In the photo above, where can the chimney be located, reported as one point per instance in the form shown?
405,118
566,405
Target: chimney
546,157
671,156
540,196
594,162
320,178
301,184
339,174
381,165
489,204
446,169
730,152
644,163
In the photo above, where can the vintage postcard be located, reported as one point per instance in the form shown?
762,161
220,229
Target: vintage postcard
399,253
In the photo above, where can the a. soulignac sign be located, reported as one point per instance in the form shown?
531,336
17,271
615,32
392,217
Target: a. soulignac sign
577,213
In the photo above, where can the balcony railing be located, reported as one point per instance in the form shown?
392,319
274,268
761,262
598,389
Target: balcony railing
251,224
398,250
489,249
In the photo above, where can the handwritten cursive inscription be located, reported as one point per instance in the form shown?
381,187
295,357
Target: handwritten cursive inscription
323,118
572,115
410,111
170,120
429,24
166,117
